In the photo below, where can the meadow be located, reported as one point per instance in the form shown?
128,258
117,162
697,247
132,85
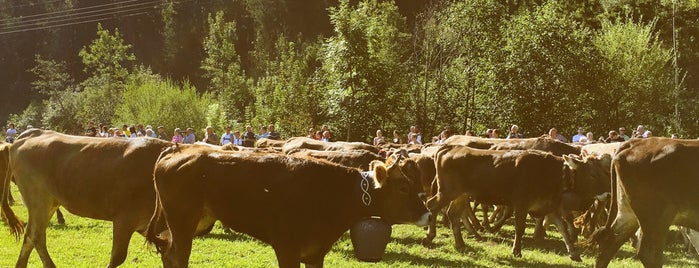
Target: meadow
83,242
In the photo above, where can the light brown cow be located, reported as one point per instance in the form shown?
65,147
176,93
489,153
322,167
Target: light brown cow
300,206
655,183
529,181
299,143
355,158
105,179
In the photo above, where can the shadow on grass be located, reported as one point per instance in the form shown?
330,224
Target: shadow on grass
401,258
230,237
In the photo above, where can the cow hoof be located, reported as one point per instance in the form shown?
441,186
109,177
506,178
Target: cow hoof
576,258
426,241
517,254
460,247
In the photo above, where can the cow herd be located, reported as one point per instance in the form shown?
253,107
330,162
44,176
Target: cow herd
300,195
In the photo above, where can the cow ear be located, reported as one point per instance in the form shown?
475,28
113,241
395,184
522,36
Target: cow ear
380,173
570,161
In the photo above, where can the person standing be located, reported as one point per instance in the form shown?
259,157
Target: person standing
91,131
237,139
227,137
177,136
11,133
514,133
189,138
249,137
161,133
210,137
622,133
273,135
581,134
378,140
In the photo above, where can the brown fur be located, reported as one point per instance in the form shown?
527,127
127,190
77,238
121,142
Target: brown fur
355,158
654,184
296,144
106,179
530,181
300,206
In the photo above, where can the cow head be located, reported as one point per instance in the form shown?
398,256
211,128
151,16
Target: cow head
396,200
591,175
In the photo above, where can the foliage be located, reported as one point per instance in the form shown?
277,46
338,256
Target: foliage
104,61
31,116
107,55
287,96
549,75
149,99
51,77
638,78
458,48
222,67
365,68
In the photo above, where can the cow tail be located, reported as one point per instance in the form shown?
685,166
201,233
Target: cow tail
16,226
603,232
157,224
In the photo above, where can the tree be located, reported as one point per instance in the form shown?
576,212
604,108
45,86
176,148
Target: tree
105,60
550,71
638,83
287,94
153,100
365,68
457,49
222,66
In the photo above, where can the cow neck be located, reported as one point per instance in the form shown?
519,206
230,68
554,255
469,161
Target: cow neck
366,192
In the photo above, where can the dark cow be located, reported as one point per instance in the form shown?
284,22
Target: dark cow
105,179
655,183
355,158
299,143
300,206
529,181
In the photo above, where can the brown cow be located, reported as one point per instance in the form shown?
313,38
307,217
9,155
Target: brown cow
300,206
529,181
355,158
267,143
299,143
555,147
655,183
105,179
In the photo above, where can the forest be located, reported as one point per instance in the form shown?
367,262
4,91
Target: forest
356,66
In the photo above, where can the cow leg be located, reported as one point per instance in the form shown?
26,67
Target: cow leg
431,230
35,237
520,224
486,218
287,257
475,224
505,214
655,230
567,236
121,236
539,229
693,237
59,216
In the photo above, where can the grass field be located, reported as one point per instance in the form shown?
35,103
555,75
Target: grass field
85,242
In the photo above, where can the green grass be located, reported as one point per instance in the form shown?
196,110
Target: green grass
86,242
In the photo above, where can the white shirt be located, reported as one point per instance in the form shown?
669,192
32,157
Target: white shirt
226,138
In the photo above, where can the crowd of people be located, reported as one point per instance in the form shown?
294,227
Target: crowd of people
248,137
